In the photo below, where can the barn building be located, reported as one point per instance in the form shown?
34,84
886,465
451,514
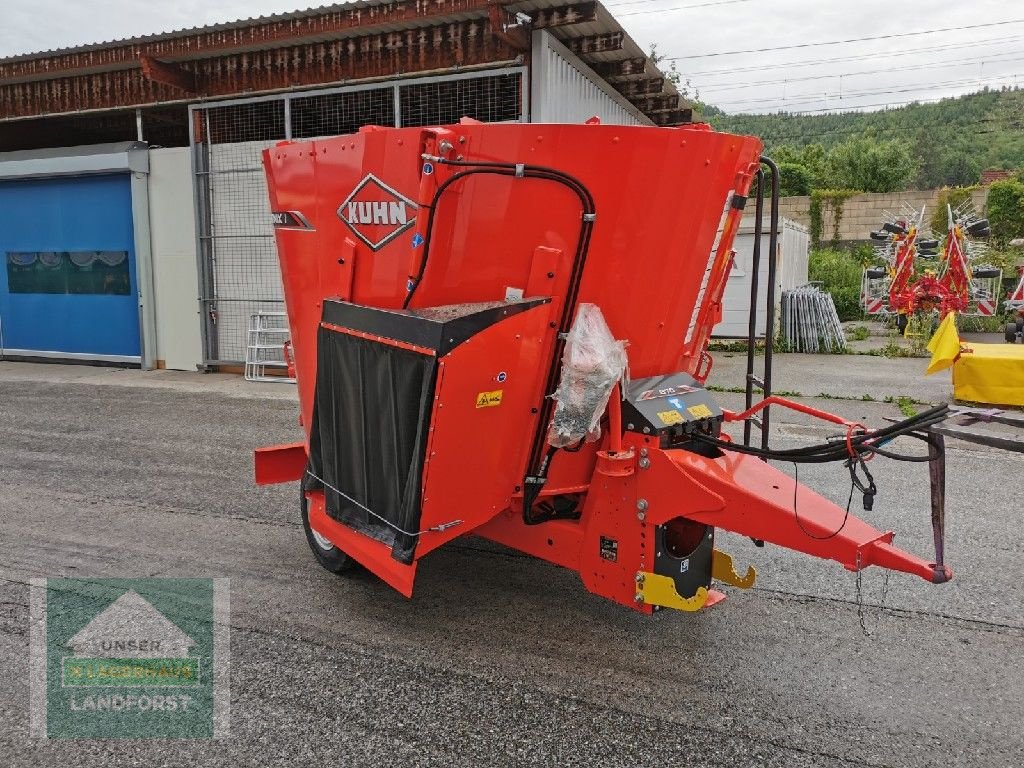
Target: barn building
137,229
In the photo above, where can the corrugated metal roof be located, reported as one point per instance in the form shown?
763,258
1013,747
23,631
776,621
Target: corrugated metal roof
280,31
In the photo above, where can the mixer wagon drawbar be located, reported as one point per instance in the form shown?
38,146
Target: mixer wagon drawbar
502,330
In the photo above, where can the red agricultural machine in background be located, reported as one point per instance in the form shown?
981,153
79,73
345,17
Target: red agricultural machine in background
502,330
1014,306
915,280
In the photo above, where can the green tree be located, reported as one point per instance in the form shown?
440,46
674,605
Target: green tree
794,179
870,165
1006,209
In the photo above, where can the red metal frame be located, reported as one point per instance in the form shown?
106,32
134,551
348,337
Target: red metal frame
662,197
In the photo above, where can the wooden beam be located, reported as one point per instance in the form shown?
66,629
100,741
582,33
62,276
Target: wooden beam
629,88
167,74
622,69
563,15
581,46
655,102
670,117
517,36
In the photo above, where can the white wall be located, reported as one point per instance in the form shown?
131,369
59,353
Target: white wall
565,90
173,243
791,271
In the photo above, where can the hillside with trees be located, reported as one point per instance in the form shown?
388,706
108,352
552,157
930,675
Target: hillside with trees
917,146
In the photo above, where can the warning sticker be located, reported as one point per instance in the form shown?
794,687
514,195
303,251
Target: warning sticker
671,417
700,411
489,399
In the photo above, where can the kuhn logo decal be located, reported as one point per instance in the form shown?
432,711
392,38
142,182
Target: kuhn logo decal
376,213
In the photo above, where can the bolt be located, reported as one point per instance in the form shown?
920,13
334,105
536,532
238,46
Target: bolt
641,504
643,451
445,147
638,598
645,463
641,516
630,426
639,577
647,430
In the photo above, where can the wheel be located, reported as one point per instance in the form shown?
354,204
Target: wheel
1011,332
328,555
1020,325
901,323
983,272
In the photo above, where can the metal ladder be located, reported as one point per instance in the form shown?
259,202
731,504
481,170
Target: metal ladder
268,336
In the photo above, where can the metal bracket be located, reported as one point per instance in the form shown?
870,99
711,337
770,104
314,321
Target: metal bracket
723,570
654,589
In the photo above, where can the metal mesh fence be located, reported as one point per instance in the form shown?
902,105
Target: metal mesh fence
240,275
337,113
492,99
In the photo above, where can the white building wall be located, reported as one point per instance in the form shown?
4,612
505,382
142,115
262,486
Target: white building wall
791,271
175,273
565,90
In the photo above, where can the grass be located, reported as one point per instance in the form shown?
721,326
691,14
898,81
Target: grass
859,333
905,403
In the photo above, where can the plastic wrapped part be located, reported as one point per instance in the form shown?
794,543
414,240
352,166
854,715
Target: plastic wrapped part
592,363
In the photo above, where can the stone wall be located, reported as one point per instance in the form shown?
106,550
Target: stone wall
863,213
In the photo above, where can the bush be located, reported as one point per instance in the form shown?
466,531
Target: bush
839,273
952,196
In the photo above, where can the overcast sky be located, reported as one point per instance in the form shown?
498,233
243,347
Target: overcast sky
701,33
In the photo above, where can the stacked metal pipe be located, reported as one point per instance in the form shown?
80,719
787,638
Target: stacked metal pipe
810,322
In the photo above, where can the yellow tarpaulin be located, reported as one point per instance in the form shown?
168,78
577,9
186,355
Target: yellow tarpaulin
944,345
990,373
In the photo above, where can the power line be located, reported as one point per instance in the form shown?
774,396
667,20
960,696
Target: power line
946,65
812,97
848,40
881,130
700,5
858,57
681,7
859,108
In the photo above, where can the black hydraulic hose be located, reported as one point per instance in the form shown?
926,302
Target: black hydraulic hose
539,461
755,272
838,450
769,331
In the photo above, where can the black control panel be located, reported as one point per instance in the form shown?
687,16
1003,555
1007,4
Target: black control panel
673,405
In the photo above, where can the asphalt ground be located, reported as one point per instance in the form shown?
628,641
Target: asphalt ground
501,659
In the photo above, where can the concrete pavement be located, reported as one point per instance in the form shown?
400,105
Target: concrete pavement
501,659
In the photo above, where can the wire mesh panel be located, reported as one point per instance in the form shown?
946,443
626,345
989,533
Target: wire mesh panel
237,238
490,99
239,270
332,114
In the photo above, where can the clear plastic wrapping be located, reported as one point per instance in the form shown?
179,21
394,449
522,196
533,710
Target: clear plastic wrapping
592,362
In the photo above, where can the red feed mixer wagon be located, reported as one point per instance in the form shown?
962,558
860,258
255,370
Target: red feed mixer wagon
463,301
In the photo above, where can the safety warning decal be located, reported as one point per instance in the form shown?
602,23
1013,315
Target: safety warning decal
668,418
489,399
700,411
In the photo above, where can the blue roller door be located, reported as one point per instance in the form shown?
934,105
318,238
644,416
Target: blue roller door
68,280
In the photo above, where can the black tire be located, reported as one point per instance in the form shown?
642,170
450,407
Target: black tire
987,272
901,323
1011,332
1020,325
875,272
330,557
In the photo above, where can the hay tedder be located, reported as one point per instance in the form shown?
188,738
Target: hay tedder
501,330
916,279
